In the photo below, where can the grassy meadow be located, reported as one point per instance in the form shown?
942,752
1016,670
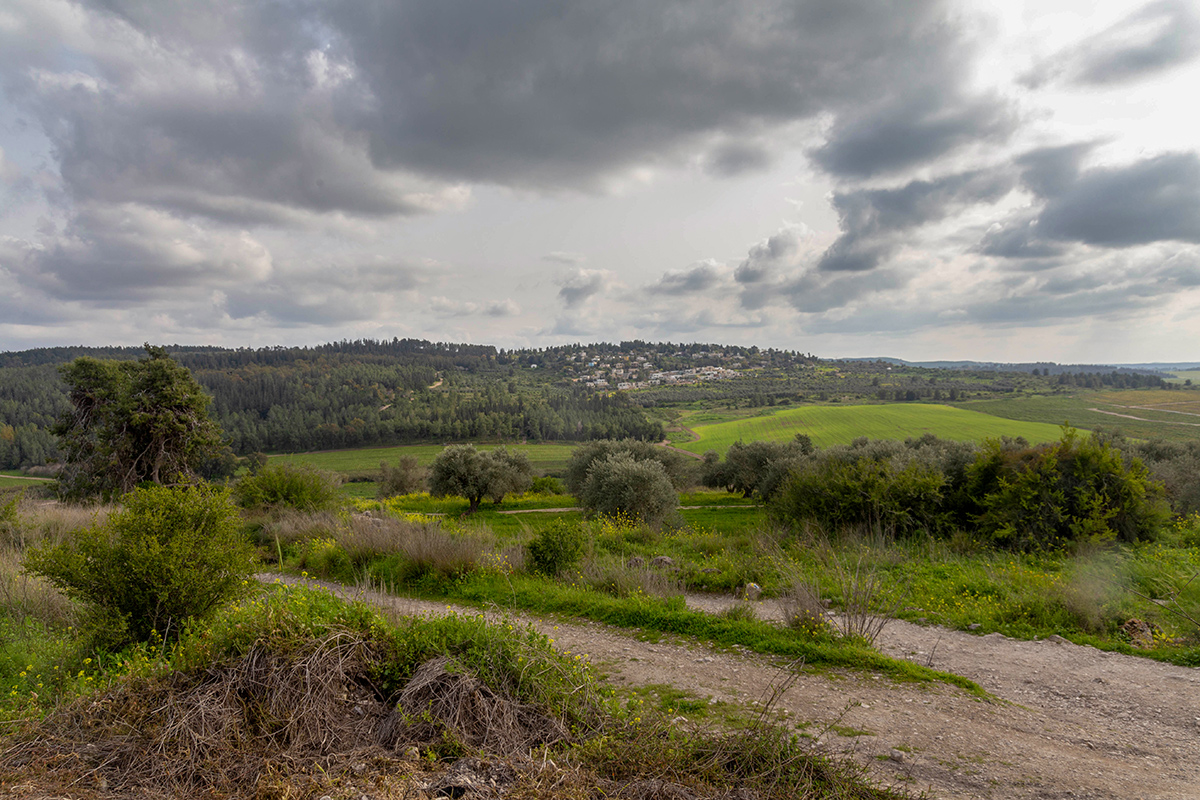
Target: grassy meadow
829,425
544,458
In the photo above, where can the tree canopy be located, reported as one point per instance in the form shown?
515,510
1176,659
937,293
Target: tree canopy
134,422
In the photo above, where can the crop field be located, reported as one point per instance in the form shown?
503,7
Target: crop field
13,482
1182,375
1155,414
829,425
543,457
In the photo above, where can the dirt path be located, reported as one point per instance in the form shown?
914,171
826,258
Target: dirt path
1071,722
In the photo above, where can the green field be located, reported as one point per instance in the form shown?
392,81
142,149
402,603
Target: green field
545,458
1182,375
1154,414
9,482
829,425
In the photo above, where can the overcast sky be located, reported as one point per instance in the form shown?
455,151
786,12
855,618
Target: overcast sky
990,180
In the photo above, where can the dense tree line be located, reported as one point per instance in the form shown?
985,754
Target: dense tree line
347,394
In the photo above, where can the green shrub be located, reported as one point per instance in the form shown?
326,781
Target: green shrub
548,484
677,467
1076,490
556,548
619,486
168,555
288,486
407,477
875,492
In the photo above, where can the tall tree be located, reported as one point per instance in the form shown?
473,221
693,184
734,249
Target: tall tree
133,422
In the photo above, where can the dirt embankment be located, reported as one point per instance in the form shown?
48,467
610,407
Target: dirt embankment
1068,722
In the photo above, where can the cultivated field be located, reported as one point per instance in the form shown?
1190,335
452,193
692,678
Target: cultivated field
1140,414
829,425
543,457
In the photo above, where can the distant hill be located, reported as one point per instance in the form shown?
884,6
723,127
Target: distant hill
1161,369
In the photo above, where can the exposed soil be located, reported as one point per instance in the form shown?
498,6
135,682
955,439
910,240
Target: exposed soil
1069,721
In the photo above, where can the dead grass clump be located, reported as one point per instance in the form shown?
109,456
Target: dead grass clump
620,578
28,597
213,731
866,605
290,526
51,522
802,606
427,547
444,704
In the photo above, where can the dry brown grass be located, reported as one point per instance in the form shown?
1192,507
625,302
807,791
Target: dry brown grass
27,597
52,522
217,730
615,576
442,702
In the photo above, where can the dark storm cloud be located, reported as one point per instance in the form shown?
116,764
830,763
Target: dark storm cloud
1017,238
550,92
1157,37
580,285
873,220
690,281
815,292
1157,199
759,273
736,158
1152,200
118,254
912,130
264,113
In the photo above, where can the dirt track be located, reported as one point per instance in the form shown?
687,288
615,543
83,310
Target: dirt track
1070,721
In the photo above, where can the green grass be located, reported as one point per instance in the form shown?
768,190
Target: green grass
1152,409
9,482
544,458
1187,374
830,425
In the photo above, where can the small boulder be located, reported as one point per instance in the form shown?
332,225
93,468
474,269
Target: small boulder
636,562
662,562
752,591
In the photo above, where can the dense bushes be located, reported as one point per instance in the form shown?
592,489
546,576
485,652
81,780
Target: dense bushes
168,555
288,486
1079,489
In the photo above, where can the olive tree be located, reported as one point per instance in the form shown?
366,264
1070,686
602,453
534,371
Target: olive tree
622,486
463,471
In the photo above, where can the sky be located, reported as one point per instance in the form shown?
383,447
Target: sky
1008,181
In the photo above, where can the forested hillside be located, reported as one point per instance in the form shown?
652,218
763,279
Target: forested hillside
338,395
351,394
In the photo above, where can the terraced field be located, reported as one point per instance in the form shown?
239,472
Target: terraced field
1140,414
828,425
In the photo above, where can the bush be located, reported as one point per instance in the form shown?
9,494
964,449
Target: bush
407,477
865,491
1076,490
289,486
677,467
556,548
547,484
168,555
619,486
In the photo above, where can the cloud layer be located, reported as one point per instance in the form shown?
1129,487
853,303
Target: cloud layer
381,166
